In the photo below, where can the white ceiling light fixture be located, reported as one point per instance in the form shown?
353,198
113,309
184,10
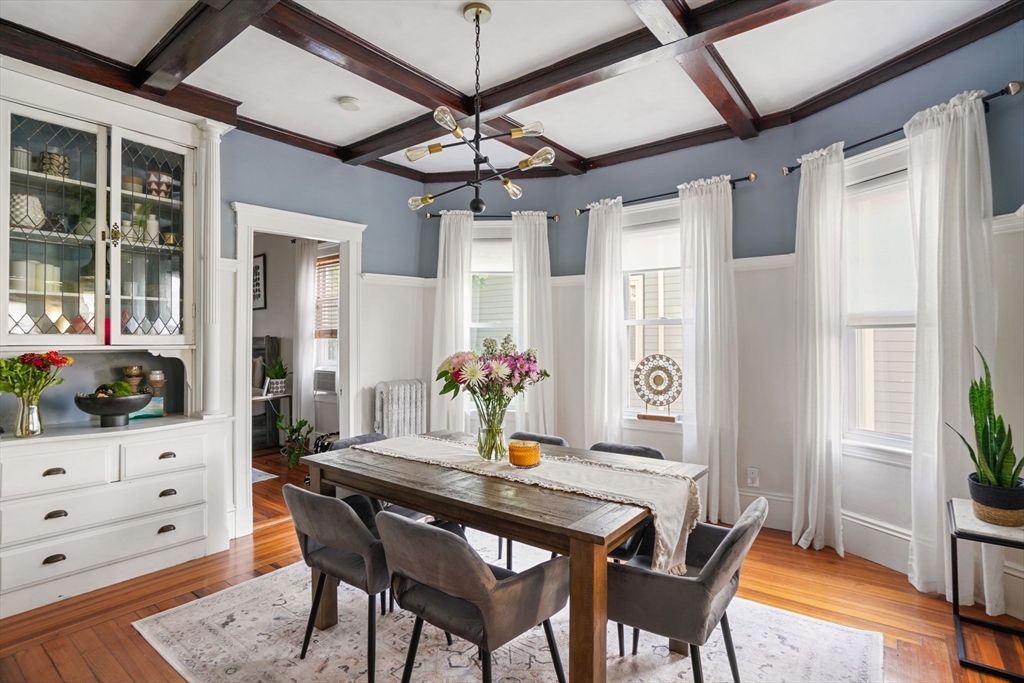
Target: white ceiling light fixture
349,103
478,13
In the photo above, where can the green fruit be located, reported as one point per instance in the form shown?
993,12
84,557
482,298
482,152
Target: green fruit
121,389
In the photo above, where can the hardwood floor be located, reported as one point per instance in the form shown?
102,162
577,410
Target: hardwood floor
267,502
90,637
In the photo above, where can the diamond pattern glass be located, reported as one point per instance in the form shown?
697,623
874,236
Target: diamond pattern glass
53,229
152,257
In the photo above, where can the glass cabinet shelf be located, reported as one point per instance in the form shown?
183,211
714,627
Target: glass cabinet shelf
39,181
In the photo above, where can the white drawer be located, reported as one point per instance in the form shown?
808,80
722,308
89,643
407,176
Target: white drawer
166,455
56,471
44,516
69,554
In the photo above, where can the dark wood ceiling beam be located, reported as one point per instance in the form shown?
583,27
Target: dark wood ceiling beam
961,36
669,22
57,55
672,144
394,139
198,36
635,51
467,176
265,130
308,31
565,160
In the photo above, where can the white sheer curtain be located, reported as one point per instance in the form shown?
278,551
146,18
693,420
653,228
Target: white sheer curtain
710,351
304,360
604,327
451,312
951,204
817,441
531,319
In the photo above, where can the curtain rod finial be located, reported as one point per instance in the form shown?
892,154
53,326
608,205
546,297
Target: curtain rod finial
428,215
579,212
556,217
786,170
752,177
1014,87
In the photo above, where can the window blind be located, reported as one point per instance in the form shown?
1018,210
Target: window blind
326,320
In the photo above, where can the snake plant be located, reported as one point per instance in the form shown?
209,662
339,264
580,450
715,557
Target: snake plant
994,460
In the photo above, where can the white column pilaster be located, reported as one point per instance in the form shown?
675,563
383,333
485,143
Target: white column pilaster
209,153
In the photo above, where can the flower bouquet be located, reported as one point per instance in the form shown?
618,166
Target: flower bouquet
492,380
26,376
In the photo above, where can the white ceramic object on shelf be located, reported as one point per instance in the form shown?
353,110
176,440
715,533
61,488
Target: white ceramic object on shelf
19,158
153,228
27,211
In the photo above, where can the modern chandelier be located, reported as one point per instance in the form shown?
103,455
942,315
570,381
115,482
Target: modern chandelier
479,13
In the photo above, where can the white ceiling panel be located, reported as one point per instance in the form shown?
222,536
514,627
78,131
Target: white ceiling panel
642,106
125,31
783,64
290,88
460,158
522,35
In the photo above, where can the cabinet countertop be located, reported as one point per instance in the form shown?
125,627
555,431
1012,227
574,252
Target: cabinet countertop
92,430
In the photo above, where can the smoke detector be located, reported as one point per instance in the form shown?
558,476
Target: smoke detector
349,103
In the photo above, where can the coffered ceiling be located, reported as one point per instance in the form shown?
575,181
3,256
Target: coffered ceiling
612,80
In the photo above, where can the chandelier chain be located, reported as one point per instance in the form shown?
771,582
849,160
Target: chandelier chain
476,99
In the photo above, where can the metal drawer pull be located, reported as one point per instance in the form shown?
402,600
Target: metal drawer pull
167,454
55,514
165,528
54,470
168,492
54,559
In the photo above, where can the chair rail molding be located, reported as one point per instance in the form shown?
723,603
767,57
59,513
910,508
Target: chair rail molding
209,202
249,219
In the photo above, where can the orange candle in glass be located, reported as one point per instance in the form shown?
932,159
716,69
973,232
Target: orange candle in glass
523,454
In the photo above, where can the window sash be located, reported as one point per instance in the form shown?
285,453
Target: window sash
328,295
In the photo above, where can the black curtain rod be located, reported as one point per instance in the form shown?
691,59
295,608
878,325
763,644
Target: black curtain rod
1012,88
554,217
751,177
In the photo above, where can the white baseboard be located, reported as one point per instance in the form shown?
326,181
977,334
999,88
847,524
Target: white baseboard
780,507
240,522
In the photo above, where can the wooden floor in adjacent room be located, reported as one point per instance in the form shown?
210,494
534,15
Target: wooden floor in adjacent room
90,637
267,500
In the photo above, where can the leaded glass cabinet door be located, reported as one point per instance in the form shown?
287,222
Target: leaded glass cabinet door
150,287
51,246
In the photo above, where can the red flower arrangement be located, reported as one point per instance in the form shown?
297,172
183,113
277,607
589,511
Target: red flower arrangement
27,375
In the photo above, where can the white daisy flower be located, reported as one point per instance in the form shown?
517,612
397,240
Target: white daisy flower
500,370
473,372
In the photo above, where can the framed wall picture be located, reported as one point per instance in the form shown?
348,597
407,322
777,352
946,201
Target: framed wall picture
259,282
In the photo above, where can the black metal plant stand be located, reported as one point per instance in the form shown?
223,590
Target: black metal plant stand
956,533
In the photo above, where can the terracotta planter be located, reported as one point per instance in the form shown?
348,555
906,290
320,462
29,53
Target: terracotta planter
997,504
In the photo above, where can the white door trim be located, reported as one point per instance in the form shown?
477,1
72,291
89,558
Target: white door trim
250,219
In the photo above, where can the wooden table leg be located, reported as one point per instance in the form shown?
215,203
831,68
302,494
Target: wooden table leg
327,615
588,612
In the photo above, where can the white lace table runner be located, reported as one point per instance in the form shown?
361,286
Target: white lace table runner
654,484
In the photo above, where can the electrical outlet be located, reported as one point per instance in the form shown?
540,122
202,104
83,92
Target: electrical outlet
753,477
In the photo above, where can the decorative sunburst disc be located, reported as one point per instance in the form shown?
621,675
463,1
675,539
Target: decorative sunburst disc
658,380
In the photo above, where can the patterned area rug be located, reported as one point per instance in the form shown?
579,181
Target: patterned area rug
253,632
260,475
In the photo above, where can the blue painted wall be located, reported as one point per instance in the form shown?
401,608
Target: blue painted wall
268,173
765,211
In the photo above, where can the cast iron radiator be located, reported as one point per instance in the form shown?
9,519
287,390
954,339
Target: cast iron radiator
401,408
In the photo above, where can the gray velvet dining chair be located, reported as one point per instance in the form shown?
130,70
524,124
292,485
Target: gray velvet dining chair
337,542
440,578
547,439
688,608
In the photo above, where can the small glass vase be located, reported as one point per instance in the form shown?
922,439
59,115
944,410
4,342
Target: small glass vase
28,422
491,443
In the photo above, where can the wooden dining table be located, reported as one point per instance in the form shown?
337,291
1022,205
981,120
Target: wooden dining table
572,524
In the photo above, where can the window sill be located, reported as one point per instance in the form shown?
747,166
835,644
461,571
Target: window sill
888,455
630,422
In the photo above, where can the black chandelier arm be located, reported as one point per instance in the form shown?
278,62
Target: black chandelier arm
453,189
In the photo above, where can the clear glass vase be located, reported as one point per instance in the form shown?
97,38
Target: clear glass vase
28,422
491,442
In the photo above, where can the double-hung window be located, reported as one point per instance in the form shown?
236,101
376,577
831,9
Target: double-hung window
654,313
491,265
326,311
881,301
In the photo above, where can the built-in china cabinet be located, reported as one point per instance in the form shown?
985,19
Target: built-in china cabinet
109,245
99,234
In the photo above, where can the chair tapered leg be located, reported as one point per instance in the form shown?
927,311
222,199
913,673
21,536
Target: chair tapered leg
730,650
636,639
508,554
501,543
312,613
698,675
391,601
553,647
410,658
382,602
485,659
622,640
371,637
448,637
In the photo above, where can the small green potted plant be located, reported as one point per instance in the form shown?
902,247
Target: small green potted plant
997,491
296,442
277,372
